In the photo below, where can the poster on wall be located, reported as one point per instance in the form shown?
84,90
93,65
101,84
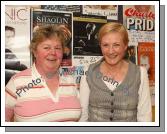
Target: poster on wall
139,17
146,58
17,40
140,23
86,49
111,11
131,54
76,9
140,36
47,17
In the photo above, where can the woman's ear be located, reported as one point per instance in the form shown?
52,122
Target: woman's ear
34,53
126,46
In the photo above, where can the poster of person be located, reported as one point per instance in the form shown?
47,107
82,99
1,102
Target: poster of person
86,48
48,17
17,40
146,58
85,35
111,11
131,54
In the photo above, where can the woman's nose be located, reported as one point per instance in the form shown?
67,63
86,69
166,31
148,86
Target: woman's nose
53,51
111,49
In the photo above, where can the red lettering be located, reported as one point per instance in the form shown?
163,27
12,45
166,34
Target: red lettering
132,12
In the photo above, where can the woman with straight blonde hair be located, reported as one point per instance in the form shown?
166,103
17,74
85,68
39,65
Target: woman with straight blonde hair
114,88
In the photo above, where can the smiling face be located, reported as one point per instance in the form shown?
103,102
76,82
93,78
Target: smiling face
113,48
48,55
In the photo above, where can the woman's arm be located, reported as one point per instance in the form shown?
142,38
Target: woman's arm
144,113
10,101
84,98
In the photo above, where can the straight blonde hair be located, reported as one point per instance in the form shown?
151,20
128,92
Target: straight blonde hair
113,27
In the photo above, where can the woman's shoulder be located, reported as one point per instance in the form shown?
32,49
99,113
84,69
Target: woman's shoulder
26,72
95,64
142,69
133,65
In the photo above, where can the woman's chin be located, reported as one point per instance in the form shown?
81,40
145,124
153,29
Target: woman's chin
112,62
52,68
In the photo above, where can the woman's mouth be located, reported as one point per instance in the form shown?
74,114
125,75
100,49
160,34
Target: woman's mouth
51,59
112,56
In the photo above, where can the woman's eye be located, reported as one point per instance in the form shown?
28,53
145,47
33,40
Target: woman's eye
58,48
104,45
46,47
116,45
